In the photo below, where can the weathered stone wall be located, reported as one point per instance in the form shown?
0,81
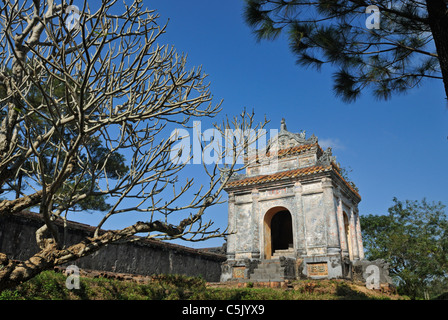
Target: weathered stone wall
145,257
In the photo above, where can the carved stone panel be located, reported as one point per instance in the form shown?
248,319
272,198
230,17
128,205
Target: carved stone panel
317,269
315,220
238,272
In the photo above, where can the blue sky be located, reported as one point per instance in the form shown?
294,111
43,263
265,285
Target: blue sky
397,148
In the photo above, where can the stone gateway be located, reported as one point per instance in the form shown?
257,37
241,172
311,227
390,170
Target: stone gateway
297,217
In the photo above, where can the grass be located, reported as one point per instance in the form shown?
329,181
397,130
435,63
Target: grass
50,285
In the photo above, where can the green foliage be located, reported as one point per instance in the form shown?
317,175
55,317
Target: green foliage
51,285
413,239
345,174
389,60
10,295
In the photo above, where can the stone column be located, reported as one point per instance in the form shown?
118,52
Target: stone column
342,237
359,237
231,238
333,243
300,242
354,235
254,217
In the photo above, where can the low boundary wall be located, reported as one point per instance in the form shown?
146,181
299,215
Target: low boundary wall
144,257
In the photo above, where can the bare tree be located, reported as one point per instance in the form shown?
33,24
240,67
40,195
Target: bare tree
76,79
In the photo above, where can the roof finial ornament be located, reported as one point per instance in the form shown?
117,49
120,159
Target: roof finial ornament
283,125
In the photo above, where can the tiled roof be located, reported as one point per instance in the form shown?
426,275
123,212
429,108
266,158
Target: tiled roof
345,181
289,175
296,150
278,176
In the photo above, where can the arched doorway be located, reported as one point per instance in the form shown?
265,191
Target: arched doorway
278,234
348,237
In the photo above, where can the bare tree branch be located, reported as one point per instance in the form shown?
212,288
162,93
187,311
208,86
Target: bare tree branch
87,114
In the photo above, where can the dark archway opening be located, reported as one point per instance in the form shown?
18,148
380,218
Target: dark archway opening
281,231
278,231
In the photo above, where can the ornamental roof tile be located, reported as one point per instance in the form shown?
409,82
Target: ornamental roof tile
277,176
298,149
290,174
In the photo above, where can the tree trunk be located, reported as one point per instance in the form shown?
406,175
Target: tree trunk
13,273
438,22
8,207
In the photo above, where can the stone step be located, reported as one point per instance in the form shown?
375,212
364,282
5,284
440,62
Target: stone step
279,279
265,278
270,261
283,252
268,270
270,266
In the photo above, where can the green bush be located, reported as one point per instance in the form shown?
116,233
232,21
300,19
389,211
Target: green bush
51,285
